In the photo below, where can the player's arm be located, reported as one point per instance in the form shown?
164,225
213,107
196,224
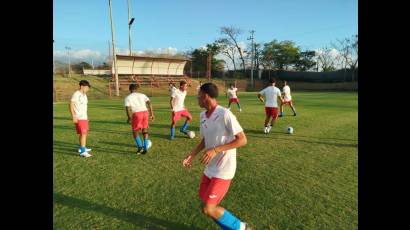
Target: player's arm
171,103
188,159
240,140
71,106
151,111
280,97
128,112
261,97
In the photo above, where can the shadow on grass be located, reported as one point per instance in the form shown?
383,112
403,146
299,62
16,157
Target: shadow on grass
131,217
177,127
71,149
294,138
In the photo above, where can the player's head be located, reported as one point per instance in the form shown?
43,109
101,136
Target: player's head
84,86
133,87
207,93
183,85
231,86
272,81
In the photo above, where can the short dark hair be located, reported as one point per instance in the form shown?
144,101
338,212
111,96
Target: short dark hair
272,80
133,87
181,83
84,83
211,89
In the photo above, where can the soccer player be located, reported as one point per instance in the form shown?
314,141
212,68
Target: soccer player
221,134
136,109
178,108
78,110
287,99
271,94
233,98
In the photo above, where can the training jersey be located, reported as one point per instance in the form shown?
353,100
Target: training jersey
80,105
179,98
286,91
171,89
271,94
220,128
232,92
137,102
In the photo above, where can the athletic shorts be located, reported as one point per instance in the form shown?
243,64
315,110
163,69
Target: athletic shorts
271,111
182,113
287,102
82,126
139,120
233,100
211,191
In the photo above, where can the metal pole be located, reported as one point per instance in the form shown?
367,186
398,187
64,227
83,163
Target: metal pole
117,88
252,31
54,64
129,26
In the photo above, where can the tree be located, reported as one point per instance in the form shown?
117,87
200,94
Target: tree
228,49
305,61
326,59
80,66
280,55
199,58
232,34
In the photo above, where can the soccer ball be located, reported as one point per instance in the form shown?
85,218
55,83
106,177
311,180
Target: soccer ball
149,144
191,134
289,130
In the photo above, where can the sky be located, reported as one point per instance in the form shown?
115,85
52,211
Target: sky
182,25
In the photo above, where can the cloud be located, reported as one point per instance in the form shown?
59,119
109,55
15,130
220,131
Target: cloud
79,55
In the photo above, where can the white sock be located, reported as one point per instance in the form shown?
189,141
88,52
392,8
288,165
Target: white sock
243,226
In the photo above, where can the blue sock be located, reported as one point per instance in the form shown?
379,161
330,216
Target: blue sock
228,221
146,144
172,132
184,127
82,149
138,141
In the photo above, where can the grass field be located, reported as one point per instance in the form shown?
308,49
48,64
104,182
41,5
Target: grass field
308,180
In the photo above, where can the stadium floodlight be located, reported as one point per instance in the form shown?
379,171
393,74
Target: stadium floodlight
132,20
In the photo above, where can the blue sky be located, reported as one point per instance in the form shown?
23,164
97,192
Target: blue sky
185,24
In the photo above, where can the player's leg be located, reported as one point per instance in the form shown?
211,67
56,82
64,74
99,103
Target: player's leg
293,108
267,118
229,104
146,140
281,109
174,119
185,126
274,117
135,128
138,141
239,106
82,131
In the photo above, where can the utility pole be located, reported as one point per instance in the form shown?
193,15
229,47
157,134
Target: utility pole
252,56
130,21
69,63
54,64
117,88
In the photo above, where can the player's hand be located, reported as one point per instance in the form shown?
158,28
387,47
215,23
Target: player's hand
152,117
75,121
187,161
208,155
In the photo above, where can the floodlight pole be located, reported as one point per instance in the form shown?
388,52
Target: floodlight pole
54,64
117,89
130,21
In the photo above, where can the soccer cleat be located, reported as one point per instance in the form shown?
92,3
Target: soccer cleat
269,128
87,150
144,152
139,149
265,130
85,154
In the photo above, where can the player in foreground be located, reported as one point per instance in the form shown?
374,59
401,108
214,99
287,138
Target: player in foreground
178,109
221,134
233,97
271,94
137,112
287,99
78,110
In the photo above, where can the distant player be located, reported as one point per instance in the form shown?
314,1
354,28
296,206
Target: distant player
287,99
221,134
78,110
137,112
178,108
233,97
271,94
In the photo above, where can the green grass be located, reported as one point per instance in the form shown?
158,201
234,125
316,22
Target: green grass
308,180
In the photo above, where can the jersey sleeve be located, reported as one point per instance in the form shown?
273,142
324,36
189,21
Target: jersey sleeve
231,123
75,97
173,93
262,92
146,98
127,101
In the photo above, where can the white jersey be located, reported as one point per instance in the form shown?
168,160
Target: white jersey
179,98
137,102
232,93
80,105
286,91
219,129
271,94
171,89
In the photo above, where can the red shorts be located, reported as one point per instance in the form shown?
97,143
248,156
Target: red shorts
82,126
211,191
139,120
271,111
287,102
177,115
232,100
